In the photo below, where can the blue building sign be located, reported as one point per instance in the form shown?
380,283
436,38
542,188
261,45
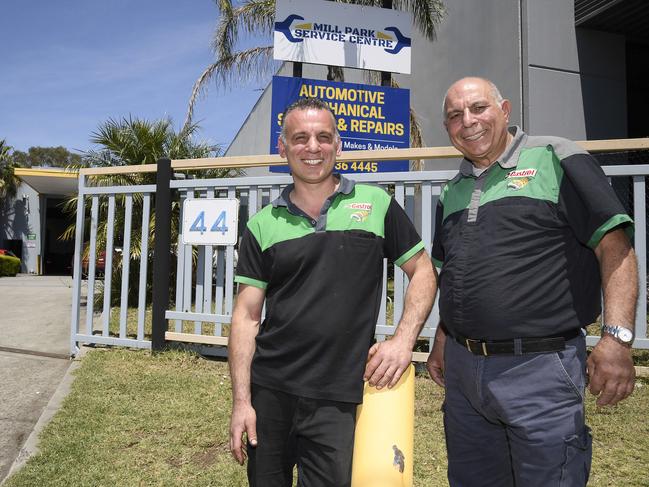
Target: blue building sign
369,118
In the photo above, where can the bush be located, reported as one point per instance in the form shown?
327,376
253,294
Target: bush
9,266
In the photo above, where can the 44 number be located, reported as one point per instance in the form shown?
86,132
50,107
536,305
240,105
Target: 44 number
218,226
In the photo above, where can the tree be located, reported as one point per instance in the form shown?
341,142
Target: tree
46,157
257,17
8,180
133,141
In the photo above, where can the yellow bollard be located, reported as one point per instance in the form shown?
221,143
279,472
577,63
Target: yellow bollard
384,437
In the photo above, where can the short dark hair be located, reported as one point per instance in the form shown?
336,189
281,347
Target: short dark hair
306,104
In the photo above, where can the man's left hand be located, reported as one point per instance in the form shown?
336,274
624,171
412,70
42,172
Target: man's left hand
386,361
610,372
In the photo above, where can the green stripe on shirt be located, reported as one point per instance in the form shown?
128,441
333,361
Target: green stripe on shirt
405,257
250,281
609,225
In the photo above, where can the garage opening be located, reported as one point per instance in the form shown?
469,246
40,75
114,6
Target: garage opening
57,253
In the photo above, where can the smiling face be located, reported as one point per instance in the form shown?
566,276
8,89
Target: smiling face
475,121
311,145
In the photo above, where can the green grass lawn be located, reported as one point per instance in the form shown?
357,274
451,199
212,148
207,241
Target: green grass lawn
133,419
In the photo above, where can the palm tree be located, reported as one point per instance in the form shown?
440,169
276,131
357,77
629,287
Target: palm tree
257,17
8,180
133,141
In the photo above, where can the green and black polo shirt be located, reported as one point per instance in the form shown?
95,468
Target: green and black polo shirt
515,243
323,283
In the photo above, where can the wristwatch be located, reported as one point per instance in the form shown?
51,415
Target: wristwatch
620,333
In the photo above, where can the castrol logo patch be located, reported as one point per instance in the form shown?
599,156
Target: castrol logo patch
360,211
522,173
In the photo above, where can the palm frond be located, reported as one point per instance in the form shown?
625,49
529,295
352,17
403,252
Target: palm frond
426,14
253,17
238,67
416,135
8,180
256,16
335,73
416,140
226,32
244,65
4,150
198,89
373,77
69,232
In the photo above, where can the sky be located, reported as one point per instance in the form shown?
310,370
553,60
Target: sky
66,66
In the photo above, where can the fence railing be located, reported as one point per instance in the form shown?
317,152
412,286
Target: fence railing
112,217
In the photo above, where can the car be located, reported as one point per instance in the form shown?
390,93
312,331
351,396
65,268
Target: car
100,262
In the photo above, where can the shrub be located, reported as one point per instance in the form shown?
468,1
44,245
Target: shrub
9,266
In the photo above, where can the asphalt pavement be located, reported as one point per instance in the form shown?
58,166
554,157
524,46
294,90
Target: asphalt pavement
35,360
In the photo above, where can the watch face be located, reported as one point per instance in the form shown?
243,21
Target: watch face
625,335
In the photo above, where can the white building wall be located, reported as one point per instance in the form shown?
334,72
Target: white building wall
19,218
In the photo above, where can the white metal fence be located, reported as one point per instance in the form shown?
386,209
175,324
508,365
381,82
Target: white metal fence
119,216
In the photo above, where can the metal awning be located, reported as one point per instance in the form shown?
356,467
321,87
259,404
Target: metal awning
49,181
627,17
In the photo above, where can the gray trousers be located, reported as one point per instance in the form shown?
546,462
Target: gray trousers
516,420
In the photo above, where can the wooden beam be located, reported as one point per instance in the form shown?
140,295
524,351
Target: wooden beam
225,162
419,356
264,160
614,145
191,338
40,171
103,171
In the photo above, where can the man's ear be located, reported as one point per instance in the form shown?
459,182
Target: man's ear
339,143
281,148
507,108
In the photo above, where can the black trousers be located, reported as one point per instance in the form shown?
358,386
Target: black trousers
315,434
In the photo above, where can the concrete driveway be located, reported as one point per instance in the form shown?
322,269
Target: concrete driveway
34,355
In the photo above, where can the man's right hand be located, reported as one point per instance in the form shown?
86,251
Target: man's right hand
246,317
435,362
243,420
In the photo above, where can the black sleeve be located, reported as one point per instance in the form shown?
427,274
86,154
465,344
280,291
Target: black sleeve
250,265
587,201
401,238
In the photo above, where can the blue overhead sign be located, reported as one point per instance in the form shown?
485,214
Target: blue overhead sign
369,118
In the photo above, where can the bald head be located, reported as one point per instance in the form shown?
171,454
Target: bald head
476,118
493,89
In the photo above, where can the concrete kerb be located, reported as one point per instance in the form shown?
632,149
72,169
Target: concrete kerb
30,448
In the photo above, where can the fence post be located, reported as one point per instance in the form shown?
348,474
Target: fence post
77,265
162,254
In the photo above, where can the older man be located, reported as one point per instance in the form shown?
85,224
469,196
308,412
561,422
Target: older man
527,235
315,255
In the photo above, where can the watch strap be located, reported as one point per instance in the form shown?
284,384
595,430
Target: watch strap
620,333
